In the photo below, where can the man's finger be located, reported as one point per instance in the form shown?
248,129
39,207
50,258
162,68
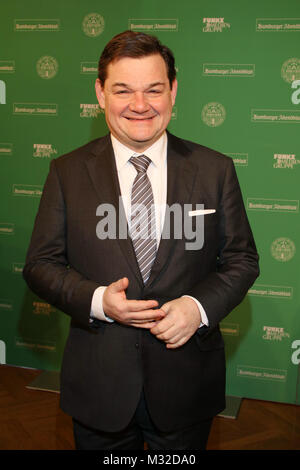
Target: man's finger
145,315
139,305
164,325
178,343
145,325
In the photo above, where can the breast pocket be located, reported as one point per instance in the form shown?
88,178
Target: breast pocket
199,228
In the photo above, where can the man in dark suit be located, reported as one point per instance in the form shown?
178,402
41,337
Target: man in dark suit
144,360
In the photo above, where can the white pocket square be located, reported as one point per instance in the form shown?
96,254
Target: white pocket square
202,212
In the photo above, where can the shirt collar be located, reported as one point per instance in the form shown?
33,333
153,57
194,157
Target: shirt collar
157,152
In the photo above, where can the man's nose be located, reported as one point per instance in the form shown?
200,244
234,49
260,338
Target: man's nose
139,102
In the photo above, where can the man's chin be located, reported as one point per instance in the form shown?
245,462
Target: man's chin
142,143
143,139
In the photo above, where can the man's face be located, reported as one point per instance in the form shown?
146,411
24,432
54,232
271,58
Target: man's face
137,100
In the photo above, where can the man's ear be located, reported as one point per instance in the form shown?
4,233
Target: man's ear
100,93
174,91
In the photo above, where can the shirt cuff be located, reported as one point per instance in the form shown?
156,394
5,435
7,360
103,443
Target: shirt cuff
97,306
204,319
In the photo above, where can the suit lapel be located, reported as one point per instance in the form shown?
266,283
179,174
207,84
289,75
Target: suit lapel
181,174
102,170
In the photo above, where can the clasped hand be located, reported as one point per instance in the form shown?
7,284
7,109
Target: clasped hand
174,323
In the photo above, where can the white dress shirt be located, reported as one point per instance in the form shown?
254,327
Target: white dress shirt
157,174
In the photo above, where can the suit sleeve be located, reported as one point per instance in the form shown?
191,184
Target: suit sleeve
237,264
47,270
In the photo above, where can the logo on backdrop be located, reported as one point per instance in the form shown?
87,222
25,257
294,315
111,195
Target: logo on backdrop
90,110
7,228
230,329
33,109
47,67
261,373
146,24
42,308
275,292
6,305
28,190
239,159
6,148
88,68
273,205
277,24
215,25
44,150
290,70
17,268
7,66
274,333
228,70
283,249
285,160
2,92
32,344
213,114
24,25
93,25
275,115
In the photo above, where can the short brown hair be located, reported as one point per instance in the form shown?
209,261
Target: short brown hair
134,44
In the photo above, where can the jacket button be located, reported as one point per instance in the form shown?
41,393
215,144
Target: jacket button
137,345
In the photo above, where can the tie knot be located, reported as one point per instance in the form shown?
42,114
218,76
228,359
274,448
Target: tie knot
140,163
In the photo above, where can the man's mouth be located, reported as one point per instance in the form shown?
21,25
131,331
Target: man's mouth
134,118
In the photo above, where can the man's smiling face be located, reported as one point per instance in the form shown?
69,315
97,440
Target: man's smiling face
137,100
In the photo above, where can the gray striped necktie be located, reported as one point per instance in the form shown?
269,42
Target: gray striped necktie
143,231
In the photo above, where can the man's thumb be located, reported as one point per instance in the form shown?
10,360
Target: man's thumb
120,285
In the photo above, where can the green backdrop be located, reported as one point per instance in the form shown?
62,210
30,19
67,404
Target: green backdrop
239,92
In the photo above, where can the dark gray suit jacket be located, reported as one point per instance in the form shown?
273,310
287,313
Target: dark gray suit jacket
105,365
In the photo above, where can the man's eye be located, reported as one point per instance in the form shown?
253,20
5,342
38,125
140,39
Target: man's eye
122,92
154,91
